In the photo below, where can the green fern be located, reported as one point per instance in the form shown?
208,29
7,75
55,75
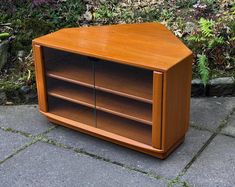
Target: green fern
203,68
215,42
196,38
206,27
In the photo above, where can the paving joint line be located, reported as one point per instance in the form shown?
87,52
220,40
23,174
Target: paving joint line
177,181
8,129
42,138
35,139
217,132
26,134
195,126
228,135
82,152
19,150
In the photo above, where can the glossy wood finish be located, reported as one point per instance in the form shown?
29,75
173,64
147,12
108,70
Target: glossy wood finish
40,78
157,109
146,45
135,93
117,139
176,102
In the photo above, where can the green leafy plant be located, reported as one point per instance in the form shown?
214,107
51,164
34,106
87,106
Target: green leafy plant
4,35
103,12
203,68
206,27
29,20
209,41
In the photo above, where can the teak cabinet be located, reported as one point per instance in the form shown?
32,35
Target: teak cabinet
128,84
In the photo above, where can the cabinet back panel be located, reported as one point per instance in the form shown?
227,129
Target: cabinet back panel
124,79
125,107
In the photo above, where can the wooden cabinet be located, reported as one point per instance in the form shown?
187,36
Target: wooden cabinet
128,84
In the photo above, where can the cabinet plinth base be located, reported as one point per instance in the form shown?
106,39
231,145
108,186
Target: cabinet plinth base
113,137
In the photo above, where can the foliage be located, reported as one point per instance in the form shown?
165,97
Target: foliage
214,39
206,26
25,20
4,35
29,20
203,68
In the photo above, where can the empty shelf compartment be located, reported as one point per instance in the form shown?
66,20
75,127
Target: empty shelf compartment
124,80
69,67
124,107
76,112
124,127
71,92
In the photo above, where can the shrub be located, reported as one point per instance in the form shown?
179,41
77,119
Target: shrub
32,19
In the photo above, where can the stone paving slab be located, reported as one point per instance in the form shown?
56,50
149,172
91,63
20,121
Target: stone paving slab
25,118
215,166
46,165
210,112
10,142
167,168
229,129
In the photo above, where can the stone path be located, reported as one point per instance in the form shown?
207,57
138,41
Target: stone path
34,152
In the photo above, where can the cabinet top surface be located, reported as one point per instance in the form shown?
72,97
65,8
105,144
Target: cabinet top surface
146,45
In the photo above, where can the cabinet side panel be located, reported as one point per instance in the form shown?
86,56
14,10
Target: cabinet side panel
157,109
40,78
176,102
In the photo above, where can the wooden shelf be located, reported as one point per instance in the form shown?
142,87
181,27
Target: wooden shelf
71,92
125,81
124,107
69,67
68,78
117,105
79,113
126,128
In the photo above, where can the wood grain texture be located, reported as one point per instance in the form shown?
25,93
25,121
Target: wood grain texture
136,94
157,109
40,77
146,45
176,102
112,137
